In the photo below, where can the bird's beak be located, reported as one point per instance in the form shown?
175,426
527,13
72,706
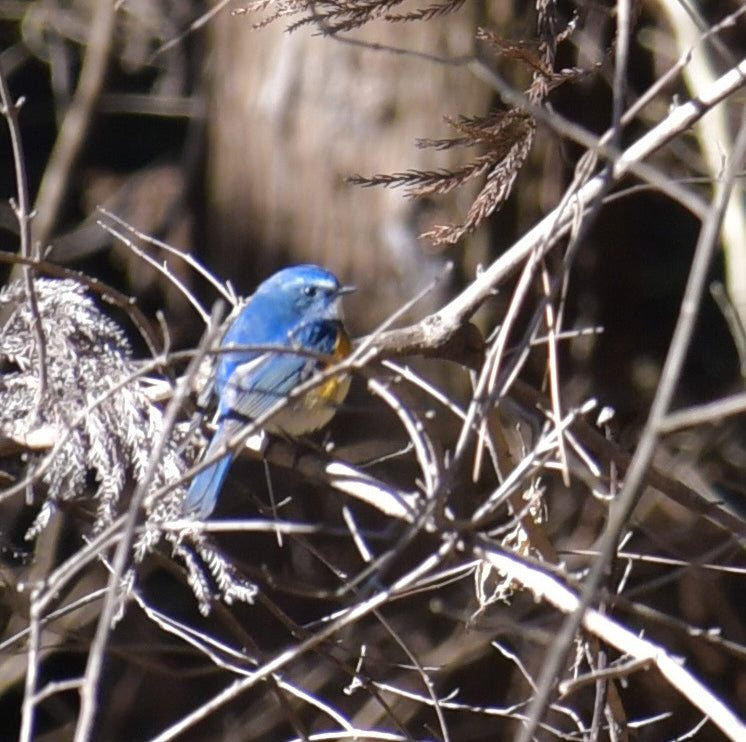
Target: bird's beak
342,290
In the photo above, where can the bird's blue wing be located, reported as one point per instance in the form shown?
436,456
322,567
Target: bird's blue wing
253,388
258,384
243,333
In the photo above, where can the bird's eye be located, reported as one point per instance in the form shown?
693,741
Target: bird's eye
310,291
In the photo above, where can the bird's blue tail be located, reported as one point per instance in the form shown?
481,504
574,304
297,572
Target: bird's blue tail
203,492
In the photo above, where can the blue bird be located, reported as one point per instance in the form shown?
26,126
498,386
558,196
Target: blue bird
299,309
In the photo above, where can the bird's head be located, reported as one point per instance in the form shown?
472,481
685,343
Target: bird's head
307,291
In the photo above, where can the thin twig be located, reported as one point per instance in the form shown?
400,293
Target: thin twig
282,659
547,587
625,502
23,215
94,665
76,122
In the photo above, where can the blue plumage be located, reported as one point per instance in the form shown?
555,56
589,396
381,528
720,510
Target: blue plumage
297,309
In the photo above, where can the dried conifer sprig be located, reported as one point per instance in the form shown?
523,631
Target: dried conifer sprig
421,183
435,10
507,136
95,402
94,398
497,129
528,53
494,193
338,16
535,56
